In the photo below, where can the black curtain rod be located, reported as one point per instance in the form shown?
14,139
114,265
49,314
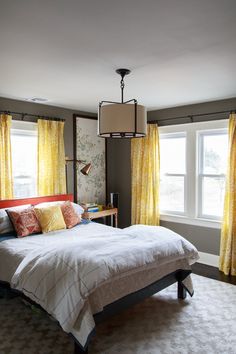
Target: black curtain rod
190,116
37,116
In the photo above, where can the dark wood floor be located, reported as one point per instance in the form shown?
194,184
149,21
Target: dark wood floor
213,273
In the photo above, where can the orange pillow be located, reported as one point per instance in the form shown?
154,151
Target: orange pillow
71,218
25,221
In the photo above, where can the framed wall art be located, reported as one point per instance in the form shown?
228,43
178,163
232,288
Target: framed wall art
90,148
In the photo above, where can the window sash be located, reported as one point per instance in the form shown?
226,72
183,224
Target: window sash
169,136
201,214
27,130
200,141
201,175
176,212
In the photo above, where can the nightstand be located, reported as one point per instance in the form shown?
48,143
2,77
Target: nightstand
102,214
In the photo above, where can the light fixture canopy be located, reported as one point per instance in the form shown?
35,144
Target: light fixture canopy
122,119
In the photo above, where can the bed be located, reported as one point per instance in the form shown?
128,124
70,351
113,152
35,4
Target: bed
89,272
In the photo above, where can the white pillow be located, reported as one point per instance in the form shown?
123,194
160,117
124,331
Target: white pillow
78,208
5,222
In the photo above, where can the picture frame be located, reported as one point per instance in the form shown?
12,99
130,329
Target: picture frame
89,147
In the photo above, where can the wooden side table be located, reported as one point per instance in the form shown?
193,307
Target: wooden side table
101,214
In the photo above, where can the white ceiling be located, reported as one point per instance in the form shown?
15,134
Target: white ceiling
179,51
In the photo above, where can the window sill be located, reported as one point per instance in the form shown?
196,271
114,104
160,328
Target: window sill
214,224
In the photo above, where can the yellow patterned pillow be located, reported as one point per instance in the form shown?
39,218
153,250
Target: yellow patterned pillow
50,218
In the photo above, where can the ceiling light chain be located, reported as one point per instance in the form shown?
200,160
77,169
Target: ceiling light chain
122,86
122,73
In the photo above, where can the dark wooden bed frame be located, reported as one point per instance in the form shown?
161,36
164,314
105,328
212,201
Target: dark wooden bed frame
126,302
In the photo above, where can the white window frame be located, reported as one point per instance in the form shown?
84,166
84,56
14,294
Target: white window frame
201,174
173,136
192,130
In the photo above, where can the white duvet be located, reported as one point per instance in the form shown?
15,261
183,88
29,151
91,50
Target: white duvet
60,271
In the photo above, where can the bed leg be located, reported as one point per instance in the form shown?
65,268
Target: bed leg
78,350
181,291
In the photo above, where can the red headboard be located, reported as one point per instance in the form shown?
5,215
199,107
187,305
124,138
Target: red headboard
7,203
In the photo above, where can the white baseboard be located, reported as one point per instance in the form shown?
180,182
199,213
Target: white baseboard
209,259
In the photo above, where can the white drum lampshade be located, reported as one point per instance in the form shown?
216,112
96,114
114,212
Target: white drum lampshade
122,119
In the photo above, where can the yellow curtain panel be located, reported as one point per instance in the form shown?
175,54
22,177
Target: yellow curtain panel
145,172
6,180
51,157
228,231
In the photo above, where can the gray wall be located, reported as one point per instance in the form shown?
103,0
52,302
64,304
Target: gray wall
200,108
51,111
119,177
206,239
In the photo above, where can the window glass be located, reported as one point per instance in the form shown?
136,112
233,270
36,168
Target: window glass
213,189
172,176
172,154
172,193
24,162
214,153
213,148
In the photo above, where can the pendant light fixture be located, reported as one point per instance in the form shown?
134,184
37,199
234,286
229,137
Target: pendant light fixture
122,119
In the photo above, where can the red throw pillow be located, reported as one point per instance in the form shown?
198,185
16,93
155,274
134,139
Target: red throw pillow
71,218
25,221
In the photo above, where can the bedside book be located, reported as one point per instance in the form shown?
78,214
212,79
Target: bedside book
88,205
93,209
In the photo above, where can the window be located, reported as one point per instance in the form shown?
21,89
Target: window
172,181
212,168
24,158
193,161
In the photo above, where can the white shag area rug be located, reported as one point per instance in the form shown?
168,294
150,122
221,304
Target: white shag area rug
204,324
